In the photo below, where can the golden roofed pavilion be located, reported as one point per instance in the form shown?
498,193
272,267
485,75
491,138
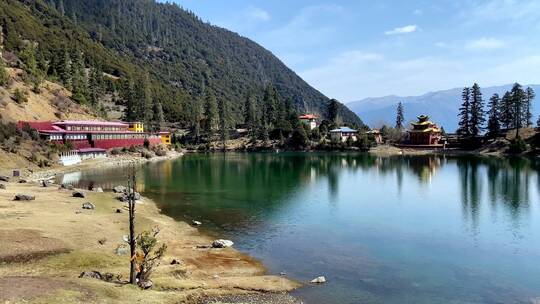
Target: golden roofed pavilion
424,132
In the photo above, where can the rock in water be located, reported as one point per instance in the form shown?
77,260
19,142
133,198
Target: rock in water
196,223
79,194
319,280
119,189
222,244
4,178
88,206
24,197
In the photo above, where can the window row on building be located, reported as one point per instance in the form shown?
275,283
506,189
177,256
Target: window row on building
95,128
120,136
76,137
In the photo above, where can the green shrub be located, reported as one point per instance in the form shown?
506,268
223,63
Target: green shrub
4,76
20,96
517,146
115,151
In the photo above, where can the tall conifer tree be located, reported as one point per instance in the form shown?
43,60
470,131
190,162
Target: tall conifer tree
465,112
518,101
224,118
506,111
477,111
494,126
399,116
249,113
529,98
210,114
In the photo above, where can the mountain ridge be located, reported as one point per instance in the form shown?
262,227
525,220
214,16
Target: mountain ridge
442,106
184,57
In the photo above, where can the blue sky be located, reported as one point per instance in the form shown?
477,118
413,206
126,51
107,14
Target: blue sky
351,49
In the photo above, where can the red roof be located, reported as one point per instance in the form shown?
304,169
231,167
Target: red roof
89,150
307,116
91,123
40,125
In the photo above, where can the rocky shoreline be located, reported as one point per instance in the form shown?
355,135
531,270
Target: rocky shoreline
58,235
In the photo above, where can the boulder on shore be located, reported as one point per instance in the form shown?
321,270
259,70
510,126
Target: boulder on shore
4,178
91,275
66,186
3,186
88,206
146,284
46,183
122,249
319,280
79,194
119,189
25,197
222,244
97,189
23,181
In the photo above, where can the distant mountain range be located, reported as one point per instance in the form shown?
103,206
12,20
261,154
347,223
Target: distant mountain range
441,106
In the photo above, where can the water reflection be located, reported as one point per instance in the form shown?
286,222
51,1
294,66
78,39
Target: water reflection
431,229
240,183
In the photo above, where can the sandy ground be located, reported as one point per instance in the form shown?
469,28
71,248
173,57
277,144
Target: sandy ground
48,242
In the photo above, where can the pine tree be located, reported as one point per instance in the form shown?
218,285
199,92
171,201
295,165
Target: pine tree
224,117
399,117
250,114
95,85
477,111
529,98
143,100
464,113
333,111
195,117
127,95
210,114
494,126
79,77
4,76
506,111
518,100
270,104
159,117
65,71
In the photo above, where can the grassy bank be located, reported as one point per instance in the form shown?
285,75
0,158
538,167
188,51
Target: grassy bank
48,242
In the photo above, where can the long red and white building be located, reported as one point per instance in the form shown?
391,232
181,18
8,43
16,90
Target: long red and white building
84,135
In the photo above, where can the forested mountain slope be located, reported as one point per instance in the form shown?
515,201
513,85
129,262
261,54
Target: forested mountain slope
161,52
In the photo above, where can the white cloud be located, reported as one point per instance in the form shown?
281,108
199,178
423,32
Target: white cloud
403,30
486,44
354,74
259,14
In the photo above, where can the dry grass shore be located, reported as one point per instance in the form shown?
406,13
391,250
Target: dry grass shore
48,242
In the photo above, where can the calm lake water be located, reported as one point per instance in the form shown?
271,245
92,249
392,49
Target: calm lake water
422,229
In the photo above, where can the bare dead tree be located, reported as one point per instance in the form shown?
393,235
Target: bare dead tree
131,189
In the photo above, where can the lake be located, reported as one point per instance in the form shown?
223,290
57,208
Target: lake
400,229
